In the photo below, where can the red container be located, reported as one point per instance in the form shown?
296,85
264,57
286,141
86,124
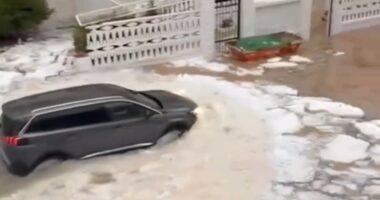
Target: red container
293,42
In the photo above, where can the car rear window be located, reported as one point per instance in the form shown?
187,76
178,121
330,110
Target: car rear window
80,118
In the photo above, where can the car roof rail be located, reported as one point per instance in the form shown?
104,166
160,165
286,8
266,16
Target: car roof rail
77,103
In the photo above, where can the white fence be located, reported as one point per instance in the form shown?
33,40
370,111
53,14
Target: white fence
152,35
144,39
349,15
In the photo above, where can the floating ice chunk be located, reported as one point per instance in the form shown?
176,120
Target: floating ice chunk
339,53
370,129
20,60
197,61
314,120
202,63
291,161
282,121
313,196
254,72
300,59
275,59
330,129
179,63
333,189
345,149
217,67
296,108
375,149
199,111
181,92
335,108
43,72
372,190
366,171
374,152
6,79
280,90
275,65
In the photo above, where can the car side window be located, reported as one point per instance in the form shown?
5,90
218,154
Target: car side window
124,111
74,119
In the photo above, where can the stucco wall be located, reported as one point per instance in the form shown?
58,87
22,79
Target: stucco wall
65,11
266,16
63,15
88,5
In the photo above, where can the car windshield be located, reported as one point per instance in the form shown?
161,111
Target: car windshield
146,99
149,99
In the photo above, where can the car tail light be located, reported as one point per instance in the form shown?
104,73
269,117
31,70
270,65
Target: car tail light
13,141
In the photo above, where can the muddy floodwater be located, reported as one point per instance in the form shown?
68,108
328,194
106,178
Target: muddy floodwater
352,78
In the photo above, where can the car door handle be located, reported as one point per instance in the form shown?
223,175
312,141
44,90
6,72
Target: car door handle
118,126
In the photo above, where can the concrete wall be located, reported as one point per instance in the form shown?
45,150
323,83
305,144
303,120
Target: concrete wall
207,9
65,11
89,5
264,17
248,14
63,15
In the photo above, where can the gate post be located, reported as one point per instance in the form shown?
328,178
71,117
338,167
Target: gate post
305,17
207,9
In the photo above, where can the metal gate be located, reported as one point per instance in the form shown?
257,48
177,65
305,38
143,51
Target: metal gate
347,15
227,22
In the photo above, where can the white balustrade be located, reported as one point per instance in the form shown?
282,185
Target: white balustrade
354,14
174,33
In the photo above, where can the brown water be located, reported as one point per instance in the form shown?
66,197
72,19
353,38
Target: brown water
352,78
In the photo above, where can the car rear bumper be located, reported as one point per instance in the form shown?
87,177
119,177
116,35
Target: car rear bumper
20,166
4,157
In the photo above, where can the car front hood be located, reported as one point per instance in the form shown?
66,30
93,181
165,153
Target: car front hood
172,102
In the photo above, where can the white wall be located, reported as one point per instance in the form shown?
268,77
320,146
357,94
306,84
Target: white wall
248,14
63,15
89,5
207,9
270,16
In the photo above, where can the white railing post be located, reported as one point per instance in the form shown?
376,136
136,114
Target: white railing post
207,10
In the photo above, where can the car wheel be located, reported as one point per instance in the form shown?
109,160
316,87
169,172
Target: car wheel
171,135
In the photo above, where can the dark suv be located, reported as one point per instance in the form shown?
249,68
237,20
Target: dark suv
87,121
